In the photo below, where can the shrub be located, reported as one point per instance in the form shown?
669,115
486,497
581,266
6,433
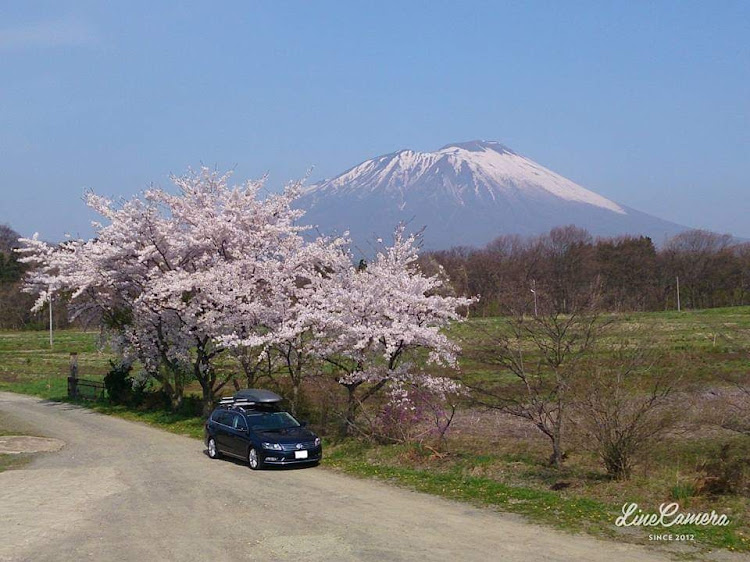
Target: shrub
622,409
728,473
420,408
192,406
119,383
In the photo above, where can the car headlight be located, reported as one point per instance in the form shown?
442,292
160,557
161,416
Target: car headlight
317,441
272,446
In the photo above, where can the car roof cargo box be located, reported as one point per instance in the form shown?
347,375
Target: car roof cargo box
259,396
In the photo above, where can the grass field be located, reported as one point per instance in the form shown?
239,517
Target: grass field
30,366
711,342
494,460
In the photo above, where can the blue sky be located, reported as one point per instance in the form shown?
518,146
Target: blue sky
647,103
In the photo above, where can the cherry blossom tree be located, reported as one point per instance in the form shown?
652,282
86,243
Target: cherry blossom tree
380,322
179,277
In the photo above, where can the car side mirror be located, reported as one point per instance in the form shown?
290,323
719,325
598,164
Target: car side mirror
303,423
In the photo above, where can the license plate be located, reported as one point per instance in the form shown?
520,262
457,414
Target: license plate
300,454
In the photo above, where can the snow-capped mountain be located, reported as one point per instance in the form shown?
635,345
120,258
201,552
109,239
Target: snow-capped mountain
465,194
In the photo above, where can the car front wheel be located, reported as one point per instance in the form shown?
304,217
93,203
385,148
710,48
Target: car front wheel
213,452
254,460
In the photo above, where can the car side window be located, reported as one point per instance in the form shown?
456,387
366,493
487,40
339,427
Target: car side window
226,418
223,417
239,422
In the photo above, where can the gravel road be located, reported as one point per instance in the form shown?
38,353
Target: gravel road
120,490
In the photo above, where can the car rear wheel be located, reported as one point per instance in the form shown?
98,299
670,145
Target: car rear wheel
254,460
213,452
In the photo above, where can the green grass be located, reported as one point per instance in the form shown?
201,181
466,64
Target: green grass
705,344
28,364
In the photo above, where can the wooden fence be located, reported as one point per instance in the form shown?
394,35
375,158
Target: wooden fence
82,388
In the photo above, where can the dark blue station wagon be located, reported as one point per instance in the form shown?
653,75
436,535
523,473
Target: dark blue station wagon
251,426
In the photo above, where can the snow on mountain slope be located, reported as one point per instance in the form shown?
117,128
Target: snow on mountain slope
491,168
465,194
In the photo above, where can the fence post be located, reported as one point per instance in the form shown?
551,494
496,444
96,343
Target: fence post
73,378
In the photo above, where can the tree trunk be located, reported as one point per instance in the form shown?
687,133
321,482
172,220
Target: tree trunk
175,401
295,396
556,459
174,393
208,398
347,428
207,380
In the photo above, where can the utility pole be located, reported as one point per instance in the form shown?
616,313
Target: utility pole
50,319
533,290
678,294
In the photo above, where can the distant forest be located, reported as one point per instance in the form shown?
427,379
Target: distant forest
564,267
627,273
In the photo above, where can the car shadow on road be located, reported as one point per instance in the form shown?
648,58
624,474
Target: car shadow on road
240,462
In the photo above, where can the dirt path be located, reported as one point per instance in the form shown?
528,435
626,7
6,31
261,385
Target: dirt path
124,491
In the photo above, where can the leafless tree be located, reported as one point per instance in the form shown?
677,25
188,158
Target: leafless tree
568,255
621,406
733,411
706,265
543,354
737,411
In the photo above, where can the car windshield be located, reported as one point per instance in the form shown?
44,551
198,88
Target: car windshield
271,421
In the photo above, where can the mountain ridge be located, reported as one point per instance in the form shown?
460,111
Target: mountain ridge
466,194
